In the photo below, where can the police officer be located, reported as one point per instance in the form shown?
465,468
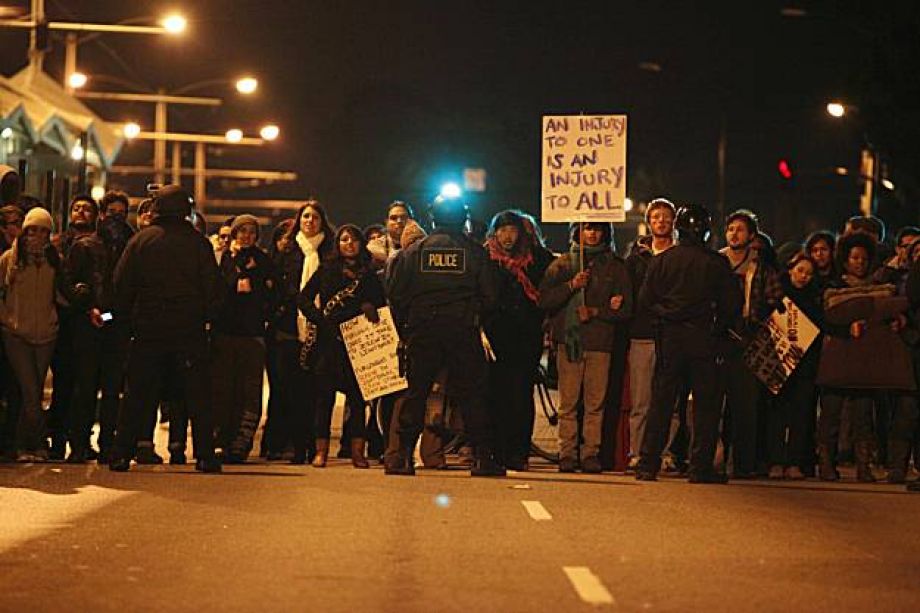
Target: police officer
439,288
690,294
167,287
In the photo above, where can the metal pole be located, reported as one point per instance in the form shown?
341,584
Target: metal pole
70,59
159,147
177,163
720,155
36,55
200,182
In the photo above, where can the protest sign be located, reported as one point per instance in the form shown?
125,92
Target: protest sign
584,168
779,345
372,351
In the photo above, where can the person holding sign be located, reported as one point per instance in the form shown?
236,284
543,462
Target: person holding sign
791,420
587,292
347,286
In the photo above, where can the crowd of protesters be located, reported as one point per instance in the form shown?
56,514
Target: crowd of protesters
276,311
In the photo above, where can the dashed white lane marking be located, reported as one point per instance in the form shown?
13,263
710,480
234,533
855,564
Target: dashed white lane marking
536,510
589,587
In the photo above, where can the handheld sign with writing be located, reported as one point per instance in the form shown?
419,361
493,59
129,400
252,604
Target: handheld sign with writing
584,168
372,352
779,346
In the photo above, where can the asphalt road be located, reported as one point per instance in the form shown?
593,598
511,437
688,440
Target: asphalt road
276,537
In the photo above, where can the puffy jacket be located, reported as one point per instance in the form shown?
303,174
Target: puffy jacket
27,304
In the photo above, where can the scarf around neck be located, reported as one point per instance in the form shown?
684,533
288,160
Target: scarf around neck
516,265
310,248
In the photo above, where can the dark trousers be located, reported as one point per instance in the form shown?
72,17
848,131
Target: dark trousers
150,362
744,399
12,404
338,376
296,407
684,356
454,344
905,414
511,381
237,367
100,354
62,369
859,407
791,423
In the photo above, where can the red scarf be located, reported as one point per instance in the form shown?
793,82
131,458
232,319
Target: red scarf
515,265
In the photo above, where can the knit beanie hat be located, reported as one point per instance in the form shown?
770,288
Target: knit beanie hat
242,220
38,217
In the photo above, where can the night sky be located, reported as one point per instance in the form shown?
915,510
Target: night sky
385,99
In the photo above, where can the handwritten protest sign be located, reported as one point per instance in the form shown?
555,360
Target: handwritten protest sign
779,346
372,352
584,168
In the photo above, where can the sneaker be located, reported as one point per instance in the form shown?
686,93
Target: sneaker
399,464
633,464
645,475
119,465
567,465
591,465
776,472
24,457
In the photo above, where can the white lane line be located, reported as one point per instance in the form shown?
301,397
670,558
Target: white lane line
588,586
536,510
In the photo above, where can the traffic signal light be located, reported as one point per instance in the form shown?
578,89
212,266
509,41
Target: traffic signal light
785,169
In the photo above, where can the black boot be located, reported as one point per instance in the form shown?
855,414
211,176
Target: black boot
400,463
119,465
208,465
827,465
485,465
864,462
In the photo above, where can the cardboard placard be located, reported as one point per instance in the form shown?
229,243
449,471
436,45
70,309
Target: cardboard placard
779,346
372,353
584,168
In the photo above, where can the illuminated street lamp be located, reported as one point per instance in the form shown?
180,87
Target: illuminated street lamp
76,80
836,109
77,152
247,85
270,132
234,135
131,130
174,24
627,204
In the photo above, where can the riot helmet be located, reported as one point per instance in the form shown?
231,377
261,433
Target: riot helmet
694,223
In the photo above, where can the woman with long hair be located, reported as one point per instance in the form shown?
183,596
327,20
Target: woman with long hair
300,252
29,276
345,286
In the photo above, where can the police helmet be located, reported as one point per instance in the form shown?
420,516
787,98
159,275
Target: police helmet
173,201
448,212
693,222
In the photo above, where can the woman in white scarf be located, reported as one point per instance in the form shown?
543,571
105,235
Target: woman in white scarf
302,249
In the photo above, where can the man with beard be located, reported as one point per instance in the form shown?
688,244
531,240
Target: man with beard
745,394
659,217
383,248
89,292
167,288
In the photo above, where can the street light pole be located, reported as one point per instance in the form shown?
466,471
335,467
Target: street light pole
36,55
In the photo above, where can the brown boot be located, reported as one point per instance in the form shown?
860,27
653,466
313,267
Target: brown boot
322,453
827,465
864,462
357,453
